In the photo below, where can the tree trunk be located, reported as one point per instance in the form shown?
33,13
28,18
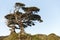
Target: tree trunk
12,30
21,28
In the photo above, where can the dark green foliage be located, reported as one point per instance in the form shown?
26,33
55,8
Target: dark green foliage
26,18
35,17
31,9
19,4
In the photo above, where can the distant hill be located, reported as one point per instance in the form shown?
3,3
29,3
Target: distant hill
14,36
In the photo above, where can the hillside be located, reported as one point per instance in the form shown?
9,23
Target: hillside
14,36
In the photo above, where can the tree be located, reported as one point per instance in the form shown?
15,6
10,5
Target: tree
30,9
23,20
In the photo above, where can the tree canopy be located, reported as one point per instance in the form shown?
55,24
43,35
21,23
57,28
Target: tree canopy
23,19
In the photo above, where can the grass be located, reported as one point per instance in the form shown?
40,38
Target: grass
15,36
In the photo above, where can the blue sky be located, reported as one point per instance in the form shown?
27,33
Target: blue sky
50,13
